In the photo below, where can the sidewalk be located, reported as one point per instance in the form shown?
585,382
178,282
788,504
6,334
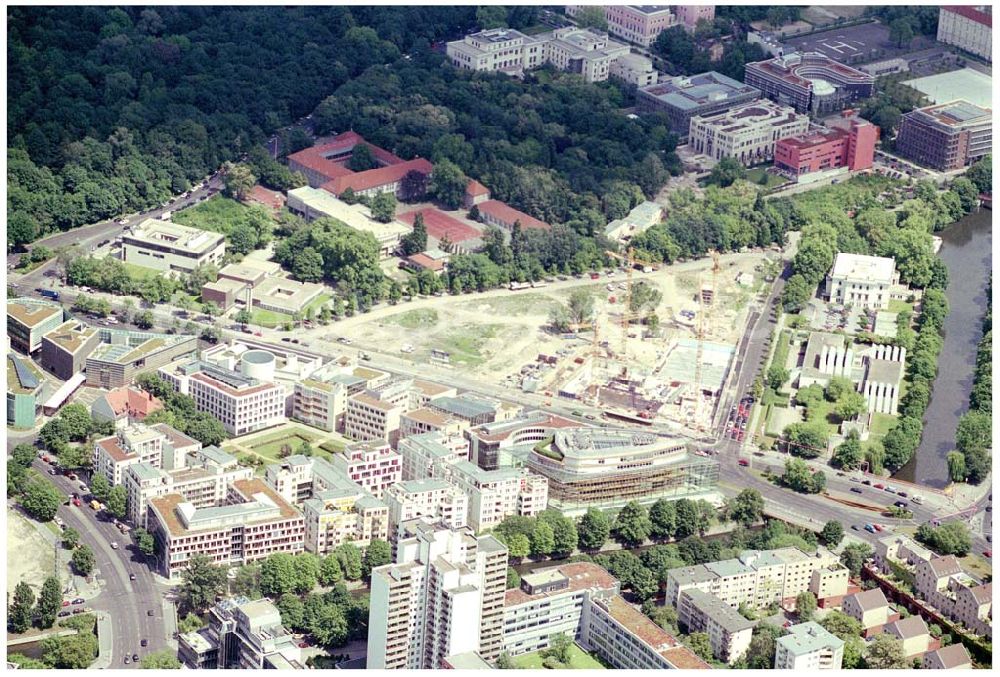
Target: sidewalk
105,643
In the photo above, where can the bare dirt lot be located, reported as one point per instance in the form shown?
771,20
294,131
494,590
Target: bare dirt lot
29,555
494,334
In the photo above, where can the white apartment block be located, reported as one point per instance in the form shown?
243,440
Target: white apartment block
426,455
635,69
427,420
587,52
320,404
371,418
346,514
203,482
495,495
862,281
443,595
171,247
727,630
808,647
552,602
253,523
375,467
899,551
292,479
434,499
942,582
747,133
969,28
756,578
241,401
133,444
625,638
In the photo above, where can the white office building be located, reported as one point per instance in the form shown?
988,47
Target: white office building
171,247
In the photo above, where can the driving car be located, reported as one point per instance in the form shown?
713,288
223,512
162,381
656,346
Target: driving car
114,545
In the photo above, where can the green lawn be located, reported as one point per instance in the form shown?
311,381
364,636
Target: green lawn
466,341
269,447
414,319
269,318
755,175
318,303
897,306
141,272
881,424
781,351
217,214
579,660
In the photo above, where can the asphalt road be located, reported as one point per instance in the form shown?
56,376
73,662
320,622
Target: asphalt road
89,236
125,601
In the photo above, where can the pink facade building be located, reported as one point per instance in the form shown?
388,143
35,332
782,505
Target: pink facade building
640,24
821,150
374,466
690,15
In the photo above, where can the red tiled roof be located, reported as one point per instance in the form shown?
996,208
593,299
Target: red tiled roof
127,400
506,214
475,189
114,450
440,224
427,262
971,13
316,158
176,437
267,197
373,178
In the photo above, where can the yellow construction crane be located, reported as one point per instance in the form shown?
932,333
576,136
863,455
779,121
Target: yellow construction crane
629,259
704,304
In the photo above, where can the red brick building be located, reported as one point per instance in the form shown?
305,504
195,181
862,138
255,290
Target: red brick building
820,150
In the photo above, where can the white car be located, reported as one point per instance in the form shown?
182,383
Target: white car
114,545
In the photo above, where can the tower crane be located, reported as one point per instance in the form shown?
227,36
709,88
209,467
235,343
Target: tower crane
704,305
629,259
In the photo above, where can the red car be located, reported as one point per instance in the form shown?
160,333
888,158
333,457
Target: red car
303,645
76,502
744,462
879,486
65,602
988,553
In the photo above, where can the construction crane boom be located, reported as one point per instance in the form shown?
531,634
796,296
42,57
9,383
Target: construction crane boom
704,305
629,259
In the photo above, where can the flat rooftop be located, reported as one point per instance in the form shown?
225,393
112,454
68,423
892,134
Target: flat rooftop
965,84
806,638
31,313
287,293
957,114
581,575
689,92
173,235
876,269
70,335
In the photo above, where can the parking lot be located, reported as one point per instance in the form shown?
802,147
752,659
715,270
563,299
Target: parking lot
856,44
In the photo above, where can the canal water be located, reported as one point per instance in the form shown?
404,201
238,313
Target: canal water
967,254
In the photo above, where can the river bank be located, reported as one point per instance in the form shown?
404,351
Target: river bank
967,252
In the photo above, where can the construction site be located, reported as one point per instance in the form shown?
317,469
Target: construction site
665,360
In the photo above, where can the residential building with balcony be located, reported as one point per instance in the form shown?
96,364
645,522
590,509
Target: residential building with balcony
203,480
136,443
807,647
343,512
443,595
252,523
428,454
727,630
871,609
426,420
375,467
369,417
494,495
435,499
551,602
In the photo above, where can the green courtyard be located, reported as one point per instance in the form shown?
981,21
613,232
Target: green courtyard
579,660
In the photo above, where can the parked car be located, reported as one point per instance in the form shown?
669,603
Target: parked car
744,462
78,600
64,614
144,642
857,490
114,545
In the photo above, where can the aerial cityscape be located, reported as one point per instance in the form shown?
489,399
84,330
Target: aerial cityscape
499,337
